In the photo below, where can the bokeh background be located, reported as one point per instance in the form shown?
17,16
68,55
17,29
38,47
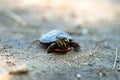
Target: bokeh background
94,24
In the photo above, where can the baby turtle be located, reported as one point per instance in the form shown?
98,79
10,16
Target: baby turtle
59,41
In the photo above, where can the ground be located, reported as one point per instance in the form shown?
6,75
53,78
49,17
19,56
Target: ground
95,27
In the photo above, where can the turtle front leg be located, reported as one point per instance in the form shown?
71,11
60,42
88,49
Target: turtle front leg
75,45
51,48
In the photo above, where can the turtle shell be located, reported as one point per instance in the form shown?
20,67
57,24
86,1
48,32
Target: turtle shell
53,35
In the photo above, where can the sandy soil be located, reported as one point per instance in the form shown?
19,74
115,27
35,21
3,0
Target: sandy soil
95,27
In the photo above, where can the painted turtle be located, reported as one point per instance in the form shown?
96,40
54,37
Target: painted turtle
58,41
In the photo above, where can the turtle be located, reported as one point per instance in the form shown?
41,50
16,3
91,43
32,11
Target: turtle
58,41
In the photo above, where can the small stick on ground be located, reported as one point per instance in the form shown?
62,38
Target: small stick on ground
115,59
15,17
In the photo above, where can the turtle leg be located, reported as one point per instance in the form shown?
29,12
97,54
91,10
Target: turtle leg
51,47
75,45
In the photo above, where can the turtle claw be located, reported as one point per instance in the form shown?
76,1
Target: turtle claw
77,49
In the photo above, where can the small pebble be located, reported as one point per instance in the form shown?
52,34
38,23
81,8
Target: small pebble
118,68
78,76
102,73
117,60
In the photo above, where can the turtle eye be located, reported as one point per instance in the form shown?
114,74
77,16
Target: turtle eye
66,40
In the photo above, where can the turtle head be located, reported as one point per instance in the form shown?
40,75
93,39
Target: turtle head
62,43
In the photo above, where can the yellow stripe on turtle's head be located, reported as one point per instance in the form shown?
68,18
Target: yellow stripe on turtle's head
62,43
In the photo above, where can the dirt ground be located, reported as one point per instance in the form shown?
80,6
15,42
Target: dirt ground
94,24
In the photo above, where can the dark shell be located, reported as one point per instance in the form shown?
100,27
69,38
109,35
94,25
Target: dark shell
53,35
